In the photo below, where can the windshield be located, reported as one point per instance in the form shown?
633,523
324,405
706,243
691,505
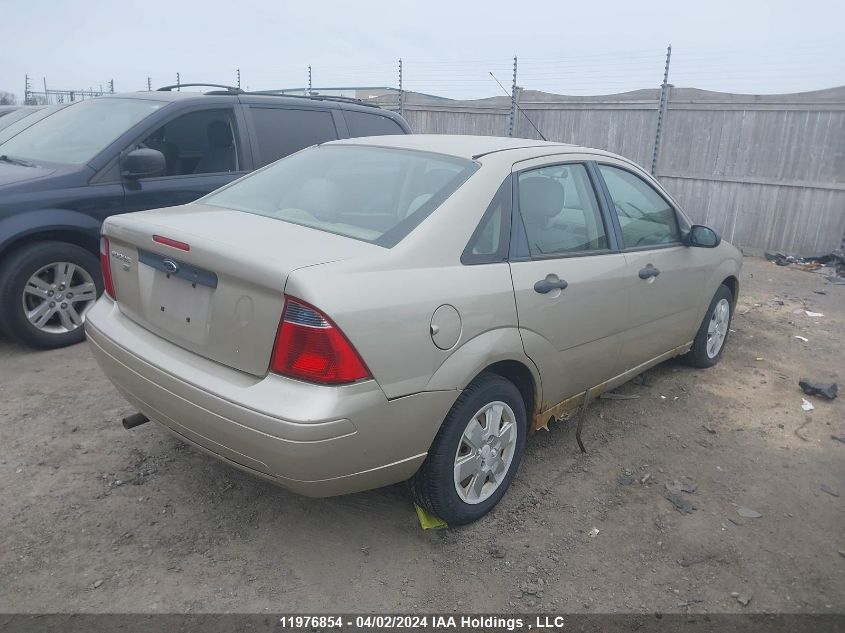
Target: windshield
79,132
373,194
14,117
33,116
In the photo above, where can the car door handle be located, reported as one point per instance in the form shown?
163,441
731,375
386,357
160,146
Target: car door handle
648,271
544,285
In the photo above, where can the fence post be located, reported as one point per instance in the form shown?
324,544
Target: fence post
178,83
239,78
401,91
661,111
512,121
309,81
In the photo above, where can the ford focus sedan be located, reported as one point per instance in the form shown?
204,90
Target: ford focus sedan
384,309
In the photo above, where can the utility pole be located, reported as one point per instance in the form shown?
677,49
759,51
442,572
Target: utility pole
178,83
512,121
149,85
661,111
239,78
309,81
401,91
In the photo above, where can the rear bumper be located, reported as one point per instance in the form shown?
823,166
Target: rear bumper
312,439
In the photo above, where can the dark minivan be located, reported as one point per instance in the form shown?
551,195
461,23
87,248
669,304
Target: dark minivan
61,177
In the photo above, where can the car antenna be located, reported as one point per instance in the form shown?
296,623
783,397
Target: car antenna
536,129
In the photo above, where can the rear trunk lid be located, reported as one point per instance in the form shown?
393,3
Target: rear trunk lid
222,298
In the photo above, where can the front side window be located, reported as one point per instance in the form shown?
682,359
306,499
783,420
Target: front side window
76,134
645,216
283,131
368,193
201,142
560,212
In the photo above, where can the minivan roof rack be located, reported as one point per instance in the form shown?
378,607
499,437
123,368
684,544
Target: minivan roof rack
232,90
229,89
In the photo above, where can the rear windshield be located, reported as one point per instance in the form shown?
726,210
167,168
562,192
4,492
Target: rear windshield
373,194
77,133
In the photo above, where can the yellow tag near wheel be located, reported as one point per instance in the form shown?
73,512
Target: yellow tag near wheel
427,520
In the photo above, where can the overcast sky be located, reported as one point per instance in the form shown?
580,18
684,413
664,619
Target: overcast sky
448,47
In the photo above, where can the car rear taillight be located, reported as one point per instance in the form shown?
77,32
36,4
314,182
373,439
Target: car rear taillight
310,347
105,266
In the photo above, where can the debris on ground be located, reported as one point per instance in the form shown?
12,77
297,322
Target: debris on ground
828,490
834,260
748,513
495,550
806,405
802,338
744,599
810,313
594,532
427,520
680,502
677,486
709,429
625,480
838,438
826,390
612,395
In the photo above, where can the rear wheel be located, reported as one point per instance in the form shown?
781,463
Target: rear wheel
476,452
710,340
45,290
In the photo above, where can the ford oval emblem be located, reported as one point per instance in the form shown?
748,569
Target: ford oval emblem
170,266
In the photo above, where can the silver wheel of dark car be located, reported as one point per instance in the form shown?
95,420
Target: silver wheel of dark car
57,296
485,452
46,288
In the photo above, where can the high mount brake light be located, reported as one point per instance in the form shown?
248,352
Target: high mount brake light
310,347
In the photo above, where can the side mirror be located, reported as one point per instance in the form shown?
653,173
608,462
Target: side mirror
702,236
143,163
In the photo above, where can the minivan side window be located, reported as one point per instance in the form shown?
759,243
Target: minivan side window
283,131
201,142
560,212
366,124
645,216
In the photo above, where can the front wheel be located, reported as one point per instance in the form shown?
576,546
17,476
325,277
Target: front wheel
710,340
476,452
45,290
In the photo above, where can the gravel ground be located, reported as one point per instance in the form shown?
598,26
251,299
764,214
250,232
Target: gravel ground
98,519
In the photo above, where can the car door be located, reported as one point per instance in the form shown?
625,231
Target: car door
664,278
203,151
569,277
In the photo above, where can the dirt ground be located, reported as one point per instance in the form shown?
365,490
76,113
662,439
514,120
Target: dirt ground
94,518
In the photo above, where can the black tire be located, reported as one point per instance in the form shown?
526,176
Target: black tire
14,274
433,485
698,356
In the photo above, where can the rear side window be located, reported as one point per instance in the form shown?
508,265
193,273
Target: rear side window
644,215
373,194
282,131
366,124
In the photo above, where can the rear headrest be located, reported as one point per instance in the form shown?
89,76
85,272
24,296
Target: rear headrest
219,134
319,197
540,197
